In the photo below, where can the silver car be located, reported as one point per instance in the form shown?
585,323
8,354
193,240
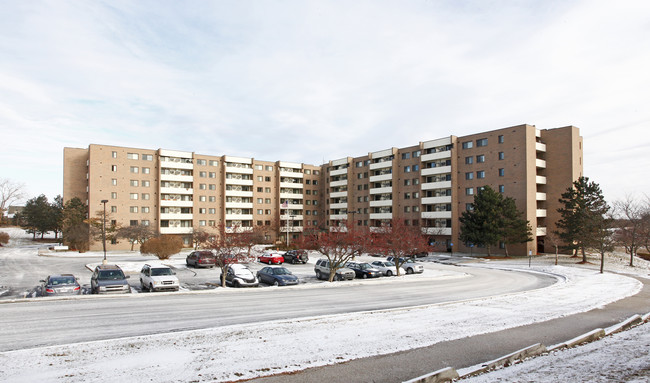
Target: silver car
57,285
387,268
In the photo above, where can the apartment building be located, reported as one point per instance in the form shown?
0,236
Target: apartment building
427,185
176,192
431,184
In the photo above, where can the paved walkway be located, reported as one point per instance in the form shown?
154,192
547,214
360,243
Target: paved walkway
471,351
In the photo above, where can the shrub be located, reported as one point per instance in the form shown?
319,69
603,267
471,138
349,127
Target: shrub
162,247
4,238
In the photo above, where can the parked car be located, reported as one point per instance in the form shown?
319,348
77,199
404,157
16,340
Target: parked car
364,270
271,258
277,276
322,269
239,275
296,256
62,284
387,268
158,278
408,264
200,258
109,279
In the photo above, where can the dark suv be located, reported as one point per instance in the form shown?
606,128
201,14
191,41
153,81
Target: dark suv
296,256
109,279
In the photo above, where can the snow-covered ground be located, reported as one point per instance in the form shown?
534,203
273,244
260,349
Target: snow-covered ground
246,351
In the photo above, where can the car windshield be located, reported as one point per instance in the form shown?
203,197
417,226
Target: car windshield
110,274
62,281
161,271
389,264
365,266
281,271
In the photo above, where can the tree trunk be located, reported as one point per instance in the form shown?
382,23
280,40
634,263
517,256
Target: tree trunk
631,258
556,254
584,254
602,261
506,248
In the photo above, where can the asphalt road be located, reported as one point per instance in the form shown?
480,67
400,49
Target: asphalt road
45,322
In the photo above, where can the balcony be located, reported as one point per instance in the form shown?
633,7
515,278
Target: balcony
383,177
291,185
381,165
540,163
238,170
338,172
436,230
436,156
285,196
540,196
436,185
175,165
540,232
381,215
338,194
436,214
239,205
434,200
238,193
174,177
384,190
284,173
236,181
386,202
540,147
338,183
291,229
176,191
286,217
176,230
239,217
338,217
176,216
343,205
176,203
436,170
540,180
540,213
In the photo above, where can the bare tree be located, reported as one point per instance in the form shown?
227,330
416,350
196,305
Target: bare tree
4,238
227,245
136,234
631,222
10,192
555,240
400,241
200,236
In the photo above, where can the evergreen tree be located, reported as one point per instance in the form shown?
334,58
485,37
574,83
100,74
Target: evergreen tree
74,228
38,216
515,229
583,209
56,208
482,224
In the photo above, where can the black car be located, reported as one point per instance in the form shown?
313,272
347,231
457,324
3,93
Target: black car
364,270
108,279
296,256
277,276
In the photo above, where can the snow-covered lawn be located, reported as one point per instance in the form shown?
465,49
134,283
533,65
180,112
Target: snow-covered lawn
245,351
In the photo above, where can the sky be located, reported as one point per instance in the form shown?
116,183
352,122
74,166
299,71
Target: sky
313,81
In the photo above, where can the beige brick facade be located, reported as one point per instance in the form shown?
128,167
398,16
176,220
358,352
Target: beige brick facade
428,185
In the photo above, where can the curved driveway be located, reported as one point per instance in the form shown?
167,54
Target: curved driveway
46,322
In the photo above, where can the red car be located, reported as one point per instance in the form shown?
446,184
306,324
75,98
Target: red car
200,259
271,258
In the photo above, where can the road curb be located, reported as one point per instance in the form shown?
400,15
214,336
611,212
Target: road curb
450,374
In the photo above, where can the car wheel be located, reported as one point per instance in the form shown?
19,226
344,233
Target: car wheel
151,288
235,284
144,288
276,283
339,278
389,273
318,274
409,271
365,276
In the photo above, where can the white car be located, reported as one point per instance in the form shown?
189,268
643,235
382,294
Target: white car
387,268
158,278
240,276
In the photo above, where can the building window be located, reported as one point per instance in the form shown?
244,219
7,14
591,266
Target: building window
407,169
147,157
213,163
416,168
144,209
133,222
201,162
132,156
469,160
481,142
133,195
260,189
502,189
146,170
134,182
267,190
212,175
260,211
267,179
202,223
469,191
267,200
407,209
502,172
407,182
416,181
202,186
501,139
114,154
502,155
359,164
315,182
468,145
113,195
416,194
308,192
469,207
469,175
202,198
416,154
269,168
113,209
212,211
416,209
307,171
213,187
113,168
480,174
135,169
145,183
145,196
260,200
133,209
480,158
203,174
212,198
114,182
144,222
406,156
202,210
267,211
314,202
259,167
407,195
315,192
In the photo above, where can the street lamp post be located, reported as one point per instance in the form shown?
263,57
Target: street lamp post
290,217
104,231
